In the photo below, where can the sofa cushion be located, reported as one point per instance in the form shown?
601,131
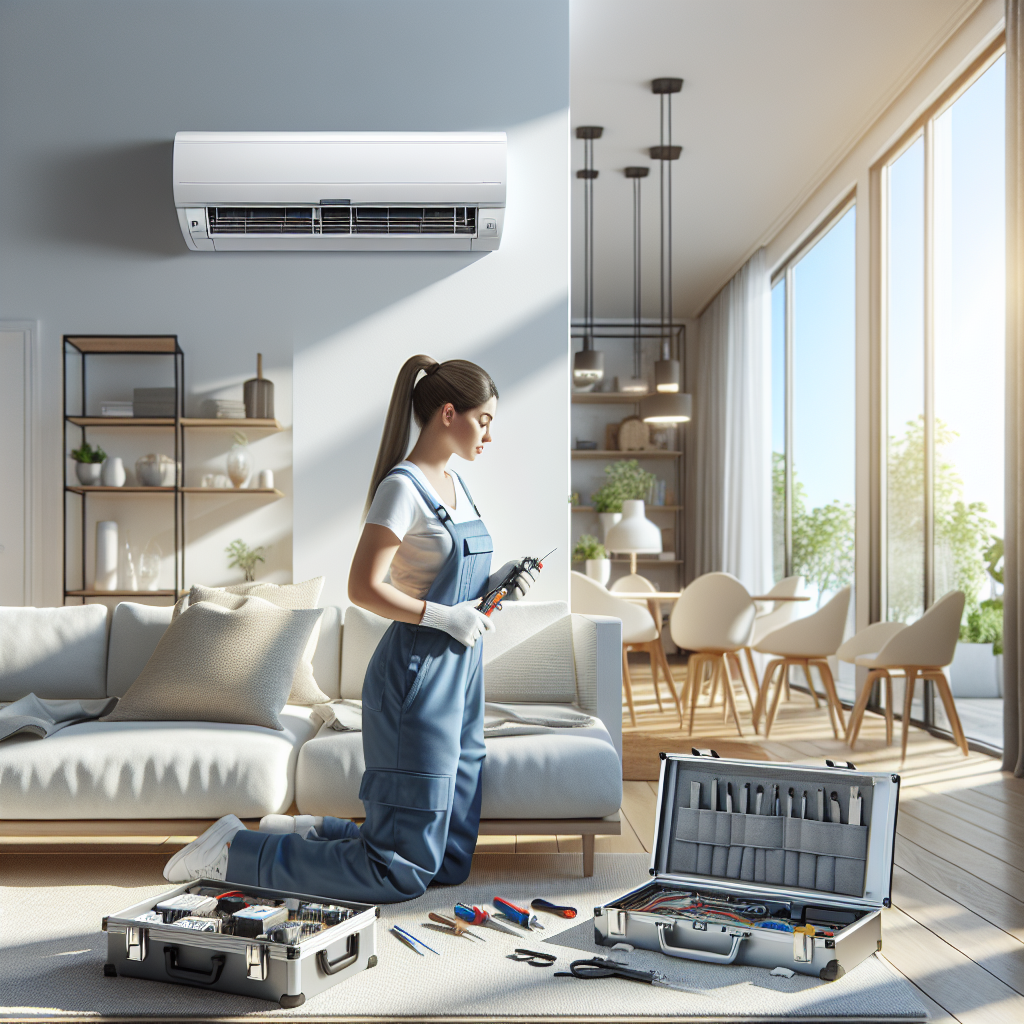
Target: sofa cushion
285,595
566,773
327,656
154,770
304,689
527,658
217,664
55,653
135,630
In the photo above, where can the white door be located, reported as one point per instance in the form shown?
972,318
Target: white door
14,353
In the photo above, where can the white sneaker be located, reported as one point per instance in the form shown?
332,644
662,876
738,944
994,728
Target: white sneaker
206,856
286,824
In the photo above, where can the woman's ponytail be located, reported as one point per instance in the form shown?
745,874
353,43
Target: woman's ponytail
458,381
394,441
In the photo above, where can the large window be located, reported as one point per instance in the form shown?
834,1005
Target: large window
813,422
944,358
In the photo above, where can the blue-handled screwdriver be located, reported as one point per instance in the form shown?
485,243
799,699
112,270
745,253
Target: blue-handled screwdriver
474,915
518,914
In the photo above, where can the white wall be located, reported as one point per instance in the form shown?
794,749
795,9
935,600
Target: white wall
89,243
853,174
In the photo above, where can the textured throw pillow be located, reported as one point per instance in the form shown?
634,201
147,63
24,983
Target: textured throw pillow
217,664
304,689
284,595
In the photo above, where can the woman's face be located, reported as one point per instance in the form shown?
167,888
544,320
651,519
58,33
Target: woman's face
469,431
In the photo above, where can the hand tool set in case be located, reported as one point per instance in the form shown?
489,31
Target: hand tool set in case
763,864
275,945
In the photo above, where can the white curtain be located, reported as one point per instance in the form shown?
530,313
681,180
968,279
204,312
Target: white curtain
730,443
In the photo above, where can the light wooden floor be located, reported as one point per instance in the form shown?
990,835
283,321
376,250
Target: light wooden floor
956,928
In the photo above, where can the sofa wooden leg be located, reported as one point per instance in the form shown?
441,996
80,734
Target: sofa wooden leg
588,855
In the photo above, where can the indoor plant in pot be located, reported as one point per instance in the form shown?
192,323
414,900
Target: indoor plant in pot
598,565
626,482
88,464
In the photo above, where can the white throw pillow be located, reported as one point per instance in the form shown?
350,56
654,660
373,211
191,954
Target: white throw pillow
217,664
284,595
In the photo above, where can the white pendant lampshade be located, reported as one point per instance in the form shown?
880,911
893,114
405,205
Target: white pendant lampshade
666,374
634,534
587,366
667,407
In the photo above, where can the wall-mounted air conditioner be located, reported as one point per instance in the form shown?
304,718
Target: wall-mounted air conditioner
245,191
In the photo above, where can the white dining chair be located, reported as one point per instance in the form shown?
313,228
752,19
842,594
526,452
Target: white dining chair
639,631
635,583
869,641
806,643
775,615
712,619
923,649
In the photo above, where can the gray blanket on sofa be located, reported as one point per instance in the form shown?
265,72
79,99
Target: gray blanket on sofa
37,717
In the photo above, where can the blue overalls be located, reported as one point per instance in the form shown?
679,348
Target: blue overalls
423,745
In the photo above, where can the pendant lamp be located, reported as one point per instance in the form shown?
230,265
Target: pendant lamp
667,371
634,534
637,384
588,365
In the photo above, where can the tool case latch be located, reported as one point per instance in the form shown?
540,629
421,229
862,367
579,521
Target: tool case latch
136,943
256,966
704,753
803,945
846,765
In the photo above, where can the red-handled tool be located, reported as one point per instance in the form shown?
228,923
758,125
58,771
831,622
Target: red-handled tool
492,600
474,915
520,915
554,908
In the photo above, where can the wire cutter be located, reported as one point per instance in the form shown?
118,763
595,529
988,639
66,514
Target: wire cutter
474,915
599,967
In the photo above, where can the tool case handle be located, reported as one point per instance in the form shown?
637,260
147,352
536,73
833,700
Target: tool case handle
696,954
188,974
347,959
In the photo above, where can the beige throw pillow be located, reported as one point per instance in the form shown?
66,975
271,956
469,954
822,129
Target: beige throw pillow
217,664
304,689
284,595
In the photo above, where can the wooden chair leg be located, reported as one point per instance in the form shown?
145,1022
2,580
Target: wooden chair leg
835,707
627,685
695,681
857,714
810,686
666,669
655,665
730,697
762,691
888,710
942,685
753,669
908,699
734,658
588,855
768,722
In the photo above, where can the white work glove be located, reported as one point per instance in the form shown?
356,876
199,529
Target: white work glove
522,584
461,621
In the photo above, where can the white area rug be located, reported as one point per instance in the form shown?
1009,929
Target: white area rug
52,954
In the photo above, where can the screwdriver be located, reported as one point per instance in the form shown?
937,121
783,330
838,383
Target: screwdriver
517,914
474,915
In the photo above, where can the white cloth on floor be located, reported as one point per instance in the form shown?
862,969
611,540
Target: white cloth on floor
499,719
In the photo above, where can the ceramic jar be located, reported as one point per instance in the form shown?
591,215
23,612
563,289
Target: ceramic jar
239,465
113,474
88,473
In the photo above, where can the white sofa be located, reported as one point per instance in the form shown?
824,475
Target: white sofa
136,778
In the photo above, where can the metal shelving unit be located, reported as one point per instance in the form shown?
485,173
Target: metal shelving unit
84,347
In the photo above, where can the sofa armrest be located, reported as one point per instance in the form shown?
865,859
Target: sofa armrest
597,649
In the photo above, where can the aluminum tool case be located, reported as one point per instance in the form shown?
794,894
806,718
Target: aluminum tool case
246,966
828,880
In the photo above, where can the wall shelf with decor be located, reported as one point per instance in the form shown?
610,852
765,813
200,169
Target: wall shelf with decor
78,351
649,453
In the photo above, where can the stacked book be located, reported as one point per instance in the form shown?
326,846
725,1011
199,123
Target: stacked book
224,409
113,408
153,402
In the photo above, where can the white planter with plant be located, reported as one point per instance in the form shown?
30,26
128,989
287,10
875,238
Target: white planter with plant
626,482
977,669
591,552
88,464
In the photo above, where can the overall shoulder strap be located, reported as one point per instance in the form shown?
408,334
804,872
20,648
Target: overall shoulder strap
466,490
439,510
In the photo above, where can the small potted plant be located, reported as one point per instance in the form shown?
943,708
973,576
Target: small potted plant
591,551
626,482
88,464
245,558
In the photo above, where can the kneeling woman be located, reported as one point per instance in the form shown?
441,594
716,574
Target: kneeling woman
423,561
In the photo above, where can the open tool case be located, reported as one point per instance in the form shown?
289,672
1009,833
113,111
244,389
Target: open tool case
737,879
282,946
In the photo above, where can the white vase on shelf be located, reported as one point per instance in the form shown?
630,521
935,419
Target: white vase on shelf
607,521
599,569
113,474
106,556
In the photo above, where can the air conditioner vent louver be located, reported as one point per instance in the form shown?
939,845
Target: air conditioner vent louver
260,220
342,220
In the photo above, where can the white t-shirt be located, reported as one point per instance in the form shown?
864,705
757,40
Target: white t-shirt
399,506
